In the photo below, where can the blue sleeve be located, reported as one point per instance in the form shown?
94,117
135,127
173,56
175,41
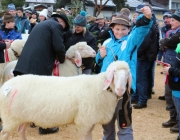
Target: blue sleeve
99,59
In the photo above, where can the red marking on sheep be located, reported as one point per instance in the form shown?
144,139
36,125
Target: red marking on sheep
107,81
12,98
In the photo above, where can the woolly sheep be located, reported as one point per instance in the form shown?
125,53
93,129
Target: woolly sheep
82,100
13,53
79,50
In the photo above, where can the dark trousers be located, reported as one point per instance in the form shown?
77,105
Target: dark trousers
170,102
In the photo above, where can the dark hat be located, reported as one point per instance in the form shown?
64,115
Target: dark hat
34,12
11,6
122,18
167,14
80,20
28,11
64,18
8,18
20,8
176,15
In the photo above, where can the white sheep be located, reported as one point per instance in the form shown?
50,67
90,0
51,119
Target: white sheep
79,50
13,53
82,100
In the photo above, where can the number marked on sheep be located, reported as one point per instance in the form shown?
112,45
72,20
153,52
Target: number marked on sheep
6,90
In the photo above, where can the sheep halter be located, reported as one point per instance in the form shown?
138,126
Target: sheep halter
56,69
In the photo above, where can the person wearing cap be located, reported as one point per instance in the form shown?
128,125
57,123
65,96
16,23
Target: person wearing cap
123,46
164,33
8,30
80,34
43,15
164,30
43,46
34,19
99,26
170,43
22,23
28,14
146,57
12,9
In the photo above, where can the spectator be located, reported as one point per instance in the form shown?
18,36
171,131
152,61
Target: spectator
170,45
146,56
22,23
98,27
9,30
79,34
43,46
34,19
174,81
164,31
28,14
43,15
12,9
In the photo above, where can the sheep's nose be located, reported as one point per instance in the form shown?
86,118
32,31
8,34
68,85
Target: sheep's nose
94,52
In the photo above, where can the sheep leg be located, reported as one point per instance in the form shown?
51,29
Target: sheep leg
21,130
5,135
88,136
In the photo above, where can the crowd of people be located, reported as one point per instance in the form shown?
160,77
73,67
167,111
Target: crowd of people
138,41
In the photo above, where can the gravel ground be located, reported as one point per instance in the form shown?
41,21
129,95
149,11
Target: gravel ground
147,123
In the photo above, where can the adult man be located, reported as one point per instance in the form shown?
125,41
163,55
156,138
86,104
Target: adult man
170,44
12,9
98,27
164,30
44,45
146,55
22,23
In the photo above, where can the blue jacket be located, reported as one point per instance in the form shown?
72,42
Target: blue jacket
125,48
22,24
10,34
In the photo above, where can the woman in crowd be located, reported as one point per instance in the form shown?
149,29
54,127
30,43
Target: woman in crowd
80,34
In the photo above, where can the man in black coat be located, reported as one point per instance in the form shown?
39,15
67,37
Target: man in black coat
43,47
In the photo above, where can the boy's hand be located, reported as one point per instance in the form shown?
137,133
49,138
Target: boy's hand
8,44
147,12
102,52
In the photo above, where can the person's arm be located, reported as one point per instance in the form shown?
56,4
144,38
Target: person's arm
2,46
174,72
172,41
57,40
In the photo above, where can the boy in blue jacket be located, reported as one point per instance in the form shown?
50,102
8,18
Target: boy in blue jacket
123,46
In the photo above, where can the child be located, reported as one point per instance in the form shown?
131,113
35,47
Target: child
123,46
174,82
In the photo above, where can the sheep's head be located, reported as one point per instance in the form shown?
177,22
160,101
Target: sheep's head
17,45
118,75
84,50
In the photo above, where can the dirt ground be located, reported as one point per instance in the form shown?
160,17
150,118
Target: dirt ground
147,123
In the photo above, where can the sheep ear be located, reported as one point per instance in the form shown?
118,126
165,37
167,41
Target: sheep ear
129,81
78,59
110,76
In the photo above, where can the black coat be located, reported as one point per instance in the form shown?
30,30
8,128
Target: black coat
73,38
44,44
174,75
2,47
